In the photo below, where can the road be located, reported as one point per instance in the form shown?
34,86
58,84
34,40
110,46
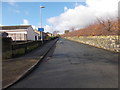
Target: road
74,65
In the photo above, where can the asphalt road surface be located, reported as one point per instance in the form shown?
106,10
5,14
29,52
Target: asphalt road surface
74,65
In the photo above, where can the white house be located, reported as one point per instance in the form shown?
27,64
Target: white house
21,32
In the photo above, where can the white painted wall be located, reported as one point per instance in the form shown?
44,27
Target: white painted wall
16,34
37,35
22,34
31,34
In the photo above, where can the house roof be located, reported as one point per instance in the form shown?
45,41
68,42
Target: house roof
14,27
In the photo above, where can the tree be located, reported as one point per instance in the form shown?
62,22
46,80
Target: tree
107,24
55,33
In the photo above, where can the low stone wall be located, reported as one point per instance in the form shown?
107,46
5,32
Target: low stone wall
106,42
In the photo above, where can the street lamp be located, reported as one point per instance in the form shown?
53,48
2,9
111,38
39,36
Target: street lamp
41,21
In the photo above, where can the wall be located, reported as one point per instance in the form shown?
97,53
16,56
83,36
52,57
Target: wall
19,48
16,34
6,47
37,35
106,42
11,49
30,34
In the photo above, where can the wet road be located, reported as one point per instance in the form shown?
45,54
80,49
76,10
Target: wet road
74,65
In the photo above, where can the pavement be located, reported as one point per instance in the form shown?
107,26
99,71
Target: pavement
25,64
74,65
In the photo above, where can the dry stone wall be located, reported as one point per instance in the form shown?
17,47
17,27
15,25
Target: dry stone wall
111,43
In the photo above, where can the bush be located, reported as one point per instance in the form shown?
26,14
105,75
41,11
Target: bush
6,44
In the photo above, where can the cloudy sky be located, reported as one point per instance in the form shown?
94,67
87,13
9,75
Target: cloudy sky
58,16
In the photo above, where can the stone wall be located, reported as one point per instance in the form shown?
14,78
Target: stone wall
106,42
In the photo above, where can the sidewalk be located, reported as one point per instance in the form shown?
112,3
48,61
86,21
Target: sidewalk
14,69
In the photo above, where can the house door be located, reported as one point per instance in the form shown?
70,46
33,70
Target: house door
35,37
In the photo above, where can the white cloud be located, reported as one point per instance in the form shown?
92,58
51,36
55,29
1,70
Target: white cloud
17,11
103,7
65,8
25,22
34,27
12,3
81,16
48,28
77,4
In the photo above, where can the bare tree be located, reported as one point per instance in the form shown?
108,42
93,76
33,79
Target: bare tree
107,24
55,33
72,29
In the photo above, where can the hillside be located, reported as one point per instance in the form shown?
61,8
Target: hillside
101,27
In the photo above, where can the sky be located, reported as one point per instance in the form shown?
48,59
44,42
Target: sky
58,16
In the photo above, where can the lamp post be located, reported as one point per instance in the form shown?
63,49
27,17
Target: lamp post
41,21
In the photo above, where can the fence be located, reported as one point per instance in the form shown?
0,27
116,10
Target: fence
25,47
14,49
